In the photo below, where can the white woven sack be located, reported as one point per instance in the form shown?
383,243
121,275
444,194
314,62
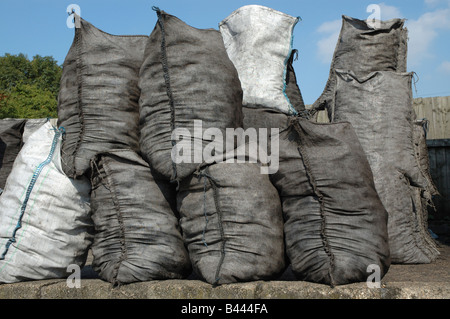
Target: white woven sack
45,224
258,41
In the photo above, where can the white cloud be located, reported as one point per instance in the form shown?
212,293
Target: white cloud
445,67
432,3
389,12
327,45
423,32
435,3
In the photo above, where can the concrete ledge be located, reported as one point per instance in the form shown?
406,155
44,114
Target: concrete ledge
186,289
402,282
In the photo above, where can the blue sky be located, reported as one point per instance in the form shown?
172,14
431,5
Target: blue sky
39,27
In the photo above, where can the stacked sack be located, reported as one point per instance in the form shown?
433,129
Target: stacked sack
376,98
137,235
136,170
230,213
232,221
335,226
186,76
99,96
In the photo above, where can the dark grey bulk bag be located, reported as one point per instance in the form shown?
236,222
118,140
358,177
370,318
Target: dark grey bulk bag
379,106
99,96
11,131
186,76
137,235
335,225
232,223
264,118
364,48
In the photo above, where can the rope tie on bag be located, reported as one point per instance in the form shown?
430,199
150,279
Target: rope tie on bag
306,114
294,123
295,54
414,76
205,180
30,187
95,171
426,126
120,220
206,177
215,188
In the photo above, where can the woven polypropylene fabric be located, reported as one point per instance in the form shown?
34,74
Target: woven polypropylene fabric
45,216
364,48
99,96
335,224
259,40
232,223
186,76
137,232
379,107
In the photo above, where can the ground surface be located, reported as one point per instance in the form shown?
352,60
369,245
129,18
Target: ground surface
430,281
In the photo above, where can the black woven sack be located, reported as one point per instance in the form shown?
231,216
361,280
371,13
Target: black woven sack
137,235
379,107
186,76
99,95
365,48
232,223
335,225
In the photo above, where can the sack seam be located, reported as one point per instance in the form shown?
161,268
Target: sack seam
79,66
320,198
122,237
165,67
215,188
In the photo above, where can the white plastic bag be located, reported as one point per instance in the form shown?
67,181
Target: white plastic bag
258,41
45,222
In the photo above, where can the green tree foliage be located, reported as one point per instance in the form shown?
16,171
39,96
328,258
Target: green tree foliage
28,89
